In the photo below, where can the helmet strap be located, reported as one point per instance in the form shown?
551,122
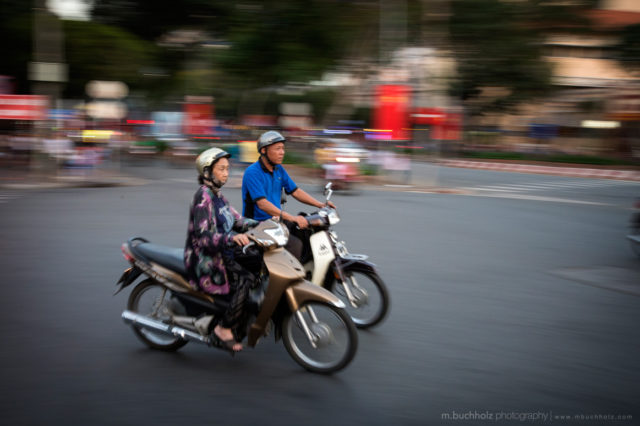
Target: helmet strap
266,157
212,182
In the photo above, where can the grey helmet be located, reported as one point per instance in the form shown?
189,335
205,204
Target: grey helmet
269,138
206,159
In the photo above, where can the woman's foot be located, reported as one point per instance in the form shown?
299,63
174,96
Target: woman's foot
226,336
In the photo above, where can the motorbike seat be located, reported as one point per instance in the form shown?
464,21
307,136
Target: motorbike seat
169,257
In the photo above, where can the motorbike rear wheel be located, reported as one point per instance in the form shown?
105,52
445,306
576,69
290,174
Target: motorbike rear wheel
332,331
371,298
152,299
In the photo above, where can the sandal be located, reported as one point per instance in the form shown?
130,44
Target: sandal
226,345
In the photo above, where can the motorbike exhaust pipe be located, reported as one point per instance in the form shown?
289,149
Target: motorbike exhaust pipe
133,318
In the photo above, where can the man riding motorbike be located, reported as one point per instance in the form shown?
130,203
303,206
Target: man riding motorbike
262,186
214,227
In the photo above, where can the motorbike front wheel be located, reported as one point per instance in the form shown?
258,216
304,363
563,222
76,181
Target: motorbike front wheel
635,242
634,237
365,296
320,337
151,299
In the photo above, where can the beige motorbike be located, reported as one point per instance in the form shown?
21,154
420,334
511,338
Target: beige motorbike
166,313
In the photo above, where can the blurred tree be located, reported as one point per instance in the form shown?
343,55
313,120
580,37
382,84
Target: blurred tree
101,52
274,42
558,16
499,45
628,48
150,19
16,24
495,48
230,49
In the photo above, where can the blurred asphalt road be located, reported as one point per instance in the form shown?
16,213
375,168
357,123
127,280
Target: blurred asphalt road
514,294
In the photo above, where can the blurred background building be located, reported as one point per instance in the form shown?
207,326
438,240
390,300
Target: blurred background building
423,77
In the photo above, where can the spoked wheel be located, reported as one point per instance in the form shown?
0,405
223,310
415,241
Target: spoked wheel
320,337
365,296
152,299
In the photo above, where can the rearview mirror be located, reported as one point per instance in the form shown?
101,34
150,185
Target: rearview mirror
328,191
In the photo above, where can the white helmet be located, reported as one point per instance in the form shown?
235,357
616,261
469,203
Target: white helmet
206,159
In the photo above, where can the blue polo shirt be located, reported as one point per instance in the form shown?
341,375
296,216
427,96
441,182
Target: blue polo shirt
258,182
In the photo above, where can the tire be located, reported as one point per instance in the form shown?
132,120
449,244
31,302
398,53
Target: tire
635,231
337,338
143,300
371,296
634,245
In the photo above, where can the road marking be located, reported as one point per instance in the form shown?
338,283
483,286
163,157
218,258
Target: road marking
550,186
488,189
516,196
5,198
509,195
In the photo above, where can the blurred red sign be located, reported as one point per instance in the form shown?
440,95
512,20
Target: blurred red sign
198,118
431,116
23,107
448,128
392,109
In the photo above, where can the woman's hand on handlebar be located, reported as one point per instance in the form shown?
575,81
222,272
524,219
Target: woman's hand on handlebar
301,221
241,239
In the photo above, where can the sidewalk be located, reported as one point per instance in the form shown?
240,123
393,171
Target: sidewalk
19,178
559,170
12,178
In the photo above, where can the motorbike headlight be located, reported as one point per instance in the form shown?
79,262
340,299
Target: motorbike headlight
333,217
280,234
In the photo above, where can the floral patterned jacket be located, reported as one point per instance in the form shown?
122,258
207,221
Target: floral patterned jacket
212,225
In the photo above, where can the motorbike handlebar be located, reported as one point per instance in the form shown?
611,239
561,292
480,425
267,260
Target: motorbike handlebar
320,218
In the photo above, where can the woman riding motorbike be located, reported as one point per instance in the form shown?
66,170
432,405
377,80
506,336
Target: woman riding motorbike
214,228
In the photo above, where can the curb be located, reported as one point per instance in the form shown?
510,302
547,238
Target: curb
550,170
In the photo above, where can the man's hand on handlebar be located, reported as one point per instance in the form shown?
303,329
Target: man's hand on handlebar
330,204
241,239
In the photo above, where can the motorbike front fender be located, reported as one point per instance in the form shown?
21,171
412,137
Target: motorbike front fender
296,295
357,262
305,291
